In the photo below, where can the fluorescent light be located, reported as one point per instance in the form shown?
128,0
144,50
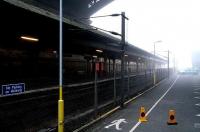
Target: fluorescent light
126,55
29,38
94,56
100,51
55,52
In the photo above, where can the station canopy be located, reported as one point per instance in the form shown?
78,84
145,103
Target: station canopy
71,8
36,10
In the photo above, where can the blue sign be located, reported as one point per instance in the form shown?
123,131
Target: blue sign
11,89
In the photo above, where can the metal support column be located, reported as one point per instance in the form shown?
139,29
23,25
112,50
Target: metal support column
145,72
168,64
137,66
154,66
105,67
109,66
114,85
128,85
95,91
122,58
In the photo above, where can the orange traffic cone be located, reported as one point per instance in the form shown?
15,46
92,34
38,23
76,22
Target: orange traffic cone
142,115
172,119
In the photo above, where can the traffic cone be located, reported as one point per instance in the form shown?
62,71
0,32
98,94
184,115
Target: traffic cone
142,115
172,119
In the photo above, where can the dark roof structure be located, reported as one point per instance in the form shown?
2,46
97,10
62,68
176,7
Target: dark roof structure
36,16
71,8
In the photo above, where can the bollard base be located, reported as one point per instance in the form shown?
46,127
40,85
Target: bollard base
60,115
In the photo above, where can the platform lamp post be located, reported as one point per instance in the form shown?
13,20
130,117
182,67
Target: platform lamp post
61,101
154,68
123,18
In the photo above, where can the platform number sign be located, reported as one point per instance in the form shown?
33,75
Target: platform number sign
11,89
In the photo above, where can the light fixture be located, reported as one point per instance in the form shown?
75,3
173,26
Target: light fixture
29,38
100,51
126,55
55,52
94,56
159,41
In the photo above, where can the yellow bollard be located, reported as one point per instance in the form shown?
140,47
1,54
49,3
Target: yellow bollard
60,115
172,119
142,117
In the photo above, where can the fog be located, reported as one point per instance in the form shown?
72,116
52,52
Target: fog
174,22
